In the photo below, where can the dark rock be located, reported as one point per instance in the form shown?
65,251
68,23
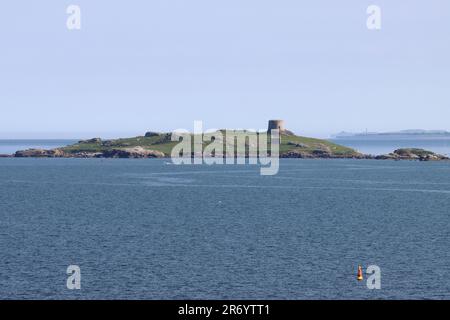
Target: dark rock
296,154
385,157
322,153
151,134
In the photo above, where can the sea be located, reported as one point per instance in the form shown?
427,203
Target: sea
148,229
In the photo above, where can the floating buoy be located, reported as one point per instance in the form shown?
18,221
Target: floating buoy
360,275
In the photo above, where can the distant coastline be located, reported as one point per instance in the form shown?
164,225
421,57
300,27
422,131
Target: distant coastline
402,133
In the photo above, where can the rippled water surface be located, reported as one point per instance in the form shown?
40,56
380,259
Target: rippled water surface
144,229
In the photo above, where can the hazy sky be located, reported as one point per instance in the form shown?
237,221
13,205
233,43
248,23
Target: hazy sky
142,65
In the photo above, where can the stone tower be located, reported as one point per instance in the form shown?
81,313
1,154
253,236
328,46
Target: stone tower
276,124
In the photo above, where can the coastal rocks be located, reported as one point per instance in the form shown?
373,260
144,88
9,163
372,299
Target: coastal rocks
5,155
296,154
40,153
434,157
84,155
389,156
412,154
321,154
136,152
306,154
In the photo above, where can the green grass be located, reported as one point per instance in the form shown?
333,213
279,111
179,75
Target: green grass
311,144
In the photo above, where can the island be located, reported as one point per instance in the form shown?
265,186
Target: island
160,145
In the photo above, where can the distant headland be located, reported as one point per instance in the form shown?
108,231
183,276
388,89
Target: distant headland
160,144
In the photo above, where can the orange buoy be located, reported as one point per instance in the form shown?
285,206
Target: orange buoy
360,275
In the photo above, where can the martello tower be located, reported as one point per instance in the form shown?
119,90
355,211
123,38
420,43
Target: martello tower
276,124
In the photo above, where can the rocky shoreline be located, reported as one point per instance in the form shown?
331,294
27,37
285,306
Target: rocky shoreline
140,152
412,154
399,154
136,152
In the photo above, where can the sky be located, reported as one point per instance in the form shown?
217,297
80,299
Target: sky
159,65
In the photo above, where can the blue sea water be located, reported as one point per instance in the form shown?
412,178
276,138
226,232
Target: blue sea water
146,229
